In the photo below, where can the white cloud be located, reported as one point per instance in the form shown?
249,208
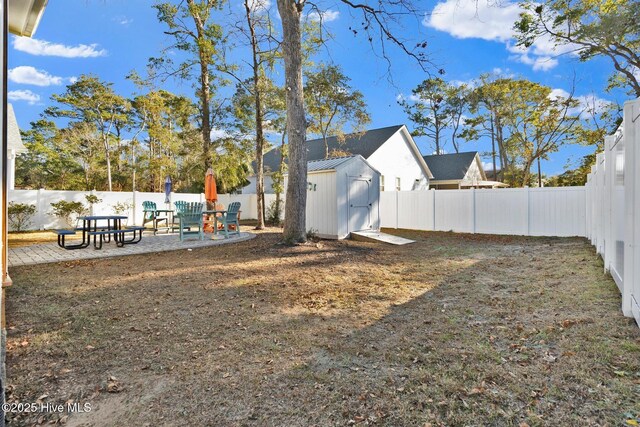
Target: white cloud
588,105
123,20
28,75
45,48
474,19
327,15
486,20
23,95
543,63
487,166
259,5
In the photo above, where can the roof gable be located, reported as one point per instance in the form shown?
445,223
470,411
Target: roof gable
450,166
362,143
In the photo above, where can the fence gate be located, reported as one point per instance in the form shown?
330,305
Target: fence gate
359,203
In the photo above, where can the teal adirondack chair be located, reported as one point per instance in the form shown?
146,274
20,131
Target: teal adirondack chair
150,215
180,205
191,220
231,217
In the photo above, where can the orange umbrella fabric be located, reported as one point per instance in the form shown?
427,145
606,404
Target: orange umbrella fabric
210,190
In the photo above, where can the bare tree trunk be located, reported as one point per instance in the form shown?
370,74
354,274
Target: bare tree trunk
205,92
326,146
493,151
539,174
259,130
108,159
295,214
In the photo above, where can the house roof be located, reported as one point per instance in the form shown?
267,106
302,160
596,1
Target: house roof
362,143
450,166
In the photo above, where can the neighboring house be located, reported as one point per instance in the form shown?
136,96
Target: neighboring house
391,151
14,146
459,170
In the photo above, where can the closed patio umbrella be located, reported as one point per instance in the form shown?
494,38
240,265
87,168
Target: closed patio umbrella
211,195
210,190
167,190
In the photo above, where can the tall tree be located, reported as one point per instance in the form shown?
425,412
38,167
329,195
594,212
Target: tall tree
49,161
456,104
487,104
539,124
591,28
93,102
190,23
377,21
427,110
161,119
333,104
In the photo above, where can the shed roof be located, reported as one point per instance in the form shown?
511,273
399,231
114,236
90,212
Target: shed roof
450,166
362,143
327,164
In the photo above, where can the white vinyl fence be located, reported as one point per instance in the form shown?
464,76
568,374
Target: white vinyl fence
517,211
613,208
44,218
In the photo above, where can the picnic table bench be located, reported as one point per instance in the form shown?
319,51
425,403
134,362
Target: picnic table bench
100,232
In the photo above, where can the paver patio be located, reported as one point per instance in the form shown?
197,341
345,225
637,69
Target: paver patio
51,252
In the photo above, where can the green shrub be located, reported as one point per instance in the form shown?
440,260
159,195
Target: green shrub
121,208
92,199
68,211
20,215
274,213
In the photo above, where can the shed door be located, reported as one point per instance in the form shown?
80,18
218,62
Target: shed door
359,203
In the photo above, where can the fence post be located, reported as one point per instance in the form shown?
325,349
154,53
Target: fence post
528,211
631,202
40,215
134,199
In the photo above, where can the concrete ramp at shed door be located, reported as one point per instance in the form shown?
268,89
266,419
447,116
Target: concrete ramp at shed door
377,236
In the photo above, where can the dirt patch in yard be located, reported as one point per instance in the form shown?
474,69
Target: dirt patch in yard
452,330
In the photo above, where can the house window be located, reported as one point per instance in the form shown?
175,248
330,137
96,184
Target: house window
381,182
398,183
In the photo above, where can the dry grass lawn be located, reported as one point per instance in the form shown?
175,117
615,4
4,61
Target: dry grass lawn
452,330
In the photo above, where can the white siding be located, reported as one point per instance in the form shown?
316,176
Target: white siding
395,159
251,187
473,173
322,210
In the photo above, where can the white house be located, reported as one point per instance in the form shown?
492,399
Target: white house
14,146
459,170
391,151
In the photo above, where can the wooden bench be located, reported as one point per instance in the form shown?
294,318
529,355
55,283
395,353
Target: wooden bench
118,236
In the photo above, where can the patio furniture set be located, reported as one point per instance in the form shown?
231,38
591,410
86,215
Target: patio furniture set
188,218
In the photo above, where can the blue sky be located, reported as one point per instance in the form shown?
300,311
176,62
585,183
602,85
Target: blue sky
110,38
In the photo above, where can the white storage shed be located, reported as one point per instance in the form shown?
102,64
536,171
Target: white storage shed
343,195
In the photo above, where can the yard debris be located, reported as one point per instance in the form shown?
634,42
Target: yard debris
113,385
352,333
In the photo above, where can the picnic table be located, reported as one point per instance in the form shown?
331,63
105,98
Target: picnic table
101,228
